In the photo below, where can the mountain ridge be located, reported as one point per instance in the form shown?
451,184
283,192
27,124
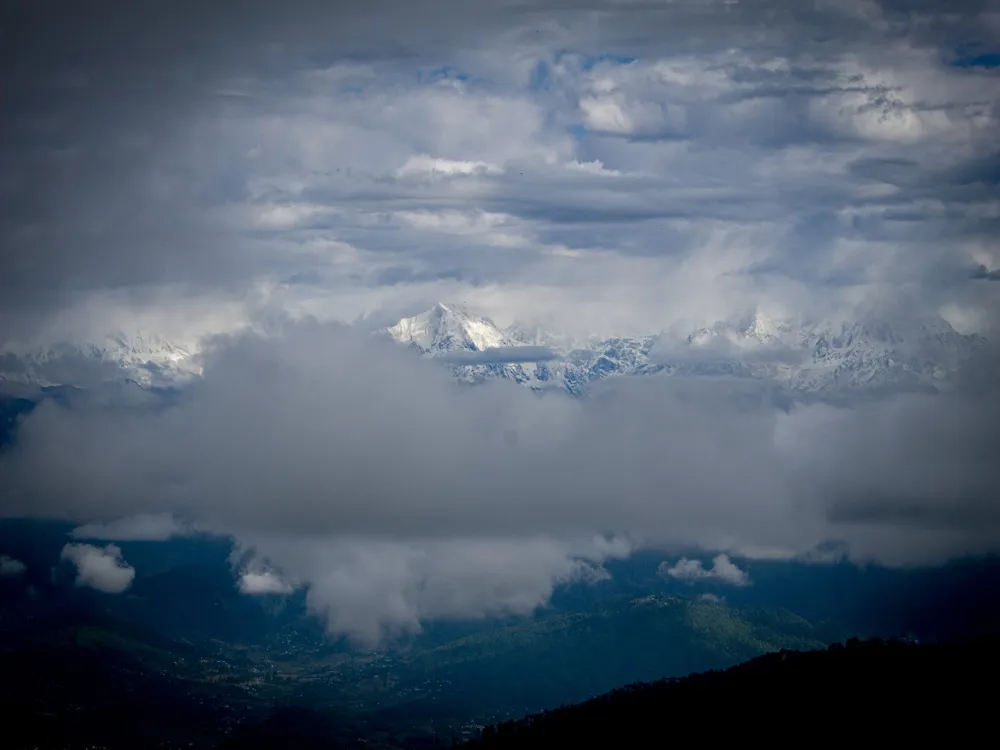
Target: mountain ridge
866,355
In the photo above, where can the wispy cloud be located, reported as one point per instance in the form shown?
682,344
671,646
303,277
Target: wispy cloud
10,567
501,355
145,527
723,571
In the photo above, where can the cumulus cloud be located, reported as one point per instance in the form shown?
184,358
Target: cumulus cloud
100,568
141,528
375,588
723,571
10,567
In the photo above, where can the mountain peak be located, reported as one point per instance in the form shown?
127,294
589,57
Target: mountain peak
449,327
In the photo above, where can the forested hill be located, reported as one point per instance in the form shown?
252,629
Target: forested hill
864,691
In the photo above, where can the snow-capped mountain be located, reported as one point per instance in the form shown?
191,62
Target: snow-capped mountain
144,358
867,354
454,335
449,328
819,356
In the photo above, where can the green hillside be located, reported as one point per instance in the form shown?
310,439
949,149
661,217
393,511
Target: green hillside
552,660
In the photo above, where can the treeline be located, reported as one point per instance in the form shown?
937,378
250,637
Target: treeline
858,692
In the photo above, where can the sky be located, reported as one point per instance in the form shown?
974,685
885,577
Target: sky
599,167
605,167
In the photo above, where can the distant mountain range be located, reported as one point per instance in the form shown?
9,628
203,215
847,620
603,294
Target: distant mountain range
818,357
144,358
866,355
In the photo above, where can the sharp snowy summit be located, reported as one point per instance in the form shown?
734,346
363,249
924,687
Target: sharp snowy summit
450,328
474,347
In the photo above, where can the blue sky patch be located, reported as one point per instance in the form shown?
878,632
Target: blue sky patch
444,72
539,78
590,61
975,56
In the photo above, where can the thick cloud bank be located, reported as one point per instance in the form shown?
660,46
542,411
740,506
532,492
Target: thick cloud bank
395,494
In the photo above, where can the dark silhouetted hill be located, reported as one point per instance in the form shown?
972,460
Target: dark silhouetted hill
873,692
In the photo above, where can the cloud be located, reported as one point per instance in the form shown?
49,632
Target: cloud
100,568
10,567
501,355
145,527
599,168
371,589
713,348
723,165
723,571
316,429
265,582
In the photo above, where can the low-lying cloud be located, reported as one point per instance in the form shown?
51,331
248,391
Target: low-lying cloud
376,588
982,272
395,495
100,568
10,567
145,527
266,582
723,571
